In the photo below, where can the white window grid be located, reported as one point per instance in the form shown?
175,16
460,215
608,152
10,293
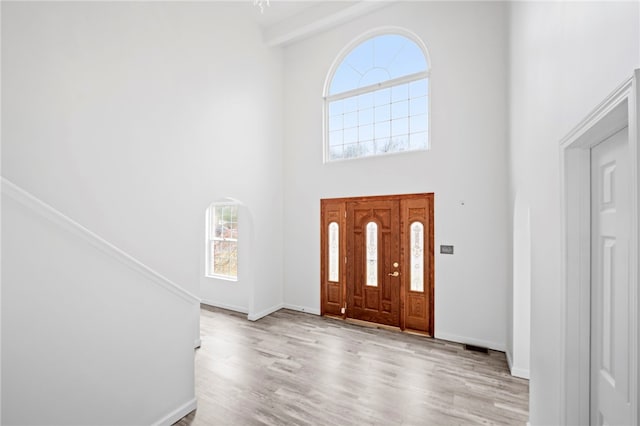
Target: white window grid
398,124
229,235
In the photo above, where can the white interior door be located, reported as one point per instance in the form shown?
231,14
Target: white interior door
610,296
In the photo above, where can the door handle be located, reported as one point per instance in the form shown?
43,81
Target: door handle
395,274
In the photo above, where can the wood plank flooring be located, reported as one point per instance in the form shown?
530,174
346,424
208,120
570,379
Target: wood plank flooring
292,368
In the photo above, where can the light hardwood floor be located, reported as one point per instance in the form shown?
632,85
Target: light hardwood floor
292,368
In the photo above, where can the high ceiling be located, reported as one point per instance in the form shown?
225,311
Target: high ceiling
285,22
280,10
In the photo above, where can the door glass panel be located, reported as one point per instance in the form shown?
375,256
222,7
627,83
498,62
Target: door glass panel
372,254
417,256
334,253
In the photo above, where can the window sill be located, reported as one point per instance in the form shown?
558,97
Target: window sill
222,278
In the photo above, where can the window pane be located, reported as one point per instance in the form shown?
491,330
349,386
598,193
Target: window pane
350,104
386,49
365,133
336,107
400,109
400,143
360,58
351,135
384,145
378,59
345,78
365,116
418,106
400,93
382,113
351,119
335,122
382,97
212,223
335,138
418,140
374,76
372,254
351,151
419,123
383,130
381,120
365,101
335,152
418,88
400,127
223,245
334,253
417,256
233,222
225,258
367,148
409,60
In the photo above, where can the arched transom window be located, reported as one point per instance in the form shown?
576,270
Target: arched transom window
377,99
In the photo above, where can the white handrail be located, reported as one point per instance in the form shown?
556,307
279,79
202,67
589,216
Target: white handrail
45,210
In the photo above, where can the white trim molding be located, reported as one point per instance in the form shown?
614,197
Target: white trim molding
516,371
46,211
616,112
235,308
471,341
305,309
256,316
178,413
316,19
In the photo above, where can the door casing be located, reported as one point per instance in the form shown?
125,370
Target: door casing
616,112
413,207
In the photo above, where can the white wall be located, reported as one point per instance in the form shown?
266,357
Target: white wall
467,162
131,118
564,59
88,337
519,350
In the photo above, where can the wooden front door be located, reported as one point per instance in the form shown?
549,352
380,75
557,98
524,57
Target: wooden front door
373,253
377,260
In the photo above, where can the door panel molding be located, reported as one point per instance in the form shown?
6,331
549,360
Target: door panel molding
394,215
616,112
333,294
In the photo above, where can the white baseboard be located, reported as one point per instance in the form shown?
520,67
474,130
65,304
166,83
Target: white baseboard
516,371
520,372
178,413
235,308
302,309
509,361
265,312
471,341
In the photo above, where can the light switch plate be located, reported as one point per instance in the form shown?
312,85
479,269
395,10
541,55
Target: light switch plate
446,249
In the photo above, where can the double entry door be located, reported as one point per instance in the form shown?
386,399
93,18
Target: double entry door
377,260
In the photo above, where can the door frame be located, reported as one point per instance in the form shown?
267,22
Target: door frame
617,111
429,289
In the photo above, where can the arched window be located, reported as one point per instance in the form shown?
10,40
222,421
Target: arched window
222,241
377,99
